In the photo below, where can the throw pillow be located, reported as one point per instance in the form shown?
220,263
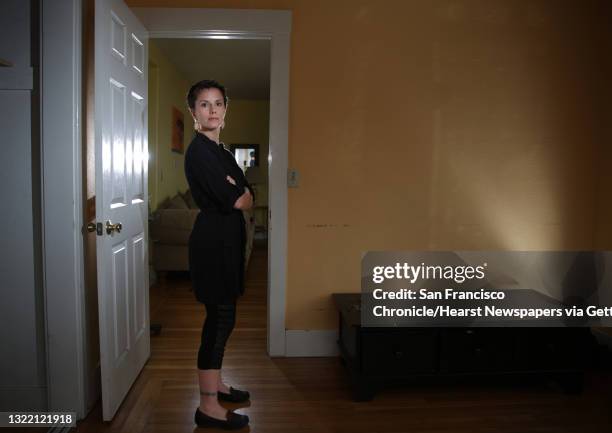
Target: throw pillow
177,202
189,200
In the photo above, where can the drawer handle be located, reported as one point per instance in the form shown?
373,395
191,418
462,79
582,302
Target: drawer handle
398,354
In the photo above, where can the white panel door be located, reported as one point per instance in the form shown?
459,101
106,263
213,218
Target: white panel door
121,197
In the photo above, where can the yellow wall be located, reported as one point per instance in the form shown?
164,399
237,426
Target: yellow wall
603,234
167,89
448,124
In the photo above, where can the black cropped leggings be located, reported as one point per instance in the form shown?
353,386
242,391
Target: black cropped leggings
219,323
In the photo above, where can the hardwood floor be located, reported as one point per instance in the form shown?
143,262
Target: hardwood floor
305,395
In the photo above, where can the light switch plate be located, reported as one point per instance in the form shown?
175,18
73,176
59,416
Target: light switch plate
292,178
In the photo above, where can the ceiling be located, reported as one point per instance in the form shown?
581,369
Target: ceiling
241,65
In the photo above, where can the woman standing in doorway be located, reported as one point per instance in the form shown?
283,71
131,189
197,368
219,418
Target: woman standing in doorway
216,248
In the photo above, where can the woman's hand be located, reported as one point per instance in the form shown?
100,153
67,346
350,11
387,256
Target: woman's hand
245,201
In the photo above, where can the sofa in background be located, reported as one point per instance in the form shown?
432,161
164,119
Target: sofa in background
171,226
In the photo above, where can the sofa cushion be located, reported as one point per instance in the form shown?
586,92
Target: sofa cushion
177,202
170,230
173,226
189,200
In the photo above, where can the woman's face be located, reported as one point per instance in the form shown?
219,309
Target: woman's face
209,109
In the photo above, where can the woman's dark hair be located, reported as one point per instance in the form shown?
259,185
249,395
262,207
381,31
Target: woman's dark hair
202,85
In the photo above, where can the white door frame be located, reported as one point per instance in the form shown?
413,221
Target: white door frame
251,24
62,210
61,177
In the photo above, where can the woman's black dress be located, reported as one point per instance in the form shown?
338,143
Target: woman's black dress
217,241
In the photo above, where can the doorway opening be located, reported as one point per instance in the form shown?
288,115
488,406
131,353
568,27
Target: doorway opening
273,27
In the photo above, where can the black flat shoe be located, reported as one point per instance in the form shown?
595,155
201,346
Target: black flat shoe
233,421
234,396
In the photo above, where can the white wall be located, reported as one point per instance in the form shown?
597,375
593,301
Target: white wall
22,364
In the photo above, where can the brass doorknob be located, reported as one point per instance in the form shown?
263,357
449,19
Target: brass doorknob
91,227
110,227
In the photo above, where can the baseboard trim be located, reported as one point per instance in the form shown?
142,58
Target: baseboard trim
303,342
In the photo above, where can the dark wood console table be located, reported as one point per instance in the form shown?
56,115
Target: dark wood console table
377,355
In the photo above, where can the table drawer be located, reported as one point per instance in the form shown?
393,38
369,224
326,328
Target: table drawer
549,348
476,349
398,352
